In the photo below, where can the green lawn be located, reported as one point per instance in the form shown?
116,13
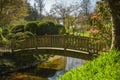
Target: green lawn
105,67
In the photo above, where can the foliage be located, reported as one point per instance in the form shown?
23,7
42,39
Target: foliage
10,62
70,23
32,27
10,36
5,32
19,35
42,28
40,7
101,24
52,28
17,28
47,27
86,6
61,29
61,11
12,11
28,34
33,13
5,65
105,67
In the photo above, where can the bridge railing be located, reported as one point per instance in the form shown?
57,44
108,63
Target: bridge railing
41,41
5,46
62,41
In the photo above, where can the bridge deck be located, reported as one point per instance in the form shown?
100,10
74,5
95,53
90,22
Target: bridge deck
61,43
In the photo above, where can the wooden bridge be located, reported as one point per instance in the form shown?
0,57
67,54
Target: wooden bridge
61,44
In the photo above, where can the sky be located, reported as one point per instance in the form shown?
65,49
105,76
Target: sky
49,3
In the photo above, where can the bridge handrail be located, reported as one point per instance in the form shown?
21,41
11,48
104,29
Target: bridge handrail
81,43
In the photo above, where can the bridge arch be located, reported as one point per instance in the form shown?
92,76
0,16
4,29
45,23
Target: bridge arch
86,47
57,51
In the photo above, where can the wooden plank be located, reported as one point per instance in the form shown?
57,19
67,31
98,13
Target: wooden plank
61,41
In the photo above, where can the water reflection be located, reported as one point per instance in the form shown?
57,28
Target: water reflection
49,70
70,64
73,62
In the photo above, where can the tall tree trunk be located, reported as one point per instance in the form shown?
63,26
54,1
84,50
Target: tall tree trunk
115,11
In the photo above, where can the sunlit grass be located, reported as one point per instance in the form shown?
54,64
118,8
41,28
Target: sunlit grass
105,67
86,34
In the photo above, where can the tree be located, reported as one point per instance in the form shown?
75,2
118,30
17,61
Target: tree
33,13
12,11
86,6
61,11
40,6
115,13
70,24
101,24
86,10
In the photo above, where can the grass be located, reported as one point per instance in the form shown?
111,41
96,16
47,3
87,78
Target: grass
105,67
86,34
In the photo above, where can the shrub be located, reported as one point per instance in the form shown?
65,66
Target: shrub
10,36
42,28
28,34
32,27
19,36
49,28
60,29
5,32
105,67
52,28
17,28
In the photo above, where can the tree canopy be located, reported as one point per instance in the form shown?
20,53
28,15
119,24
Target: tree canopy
12,11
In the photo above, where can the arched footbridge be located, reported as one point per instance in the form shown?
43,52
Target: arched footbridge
86,47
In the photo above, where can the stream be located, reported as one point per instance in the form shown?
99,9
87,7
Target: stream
70,64
48,70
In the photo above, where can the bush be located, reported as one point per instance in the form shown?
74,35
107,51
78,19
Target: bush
5,32
53,30
10,36
42,28
60,29
17,28
31,27
19,36
49,28
105,67
28,34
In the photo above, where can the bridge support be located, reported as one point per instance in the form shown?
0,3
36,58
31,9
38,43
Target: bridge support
12,46
12,50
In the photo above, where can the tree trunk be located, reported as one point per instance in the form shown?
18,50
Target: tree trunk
115,12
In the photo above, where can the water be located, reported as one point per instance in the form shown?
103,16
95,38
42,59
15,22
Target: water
70,64
49,70
73,62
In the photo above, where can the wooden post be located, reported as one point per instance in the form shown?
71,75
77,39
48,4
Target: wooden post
12,46
36,43
65,43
